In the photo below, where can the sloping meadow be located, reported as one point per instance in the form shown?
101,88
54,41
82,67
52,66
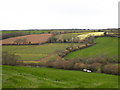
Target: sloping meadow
32,77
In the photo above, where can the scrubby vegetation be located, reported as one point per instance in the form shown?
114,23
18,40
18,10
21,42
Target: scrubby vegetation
100,65
9,58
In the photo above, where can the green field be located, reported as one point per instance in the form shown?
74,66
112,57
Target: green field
35,52
104,46
31,77
27,31
7,31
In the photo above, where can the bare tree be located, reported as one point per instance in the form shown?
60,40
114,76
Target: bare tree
21,41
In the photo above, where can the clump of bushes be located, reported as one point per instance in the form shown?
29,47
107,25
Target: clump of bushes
79,66
102,58
95,67
111,69
9,58
100,64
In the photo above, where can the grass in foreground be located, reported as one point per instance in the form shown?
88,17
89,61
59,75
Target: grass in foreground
105,46
31,77
35,52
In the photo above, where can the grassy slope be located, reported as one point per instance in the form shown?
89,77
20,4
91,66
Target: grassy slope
29,77
35,52
105,45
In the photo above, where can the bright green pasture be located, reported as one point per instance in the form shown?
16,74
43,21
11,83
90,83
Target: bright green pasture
31,77
104,46
36,32
7,31
35,52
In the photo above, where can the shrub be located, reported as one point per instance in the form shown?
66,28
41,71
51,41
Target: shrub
58,64
90,60
52,60
95,67
52,39
111,69
79,66
50,63
9,58
68,64
103,59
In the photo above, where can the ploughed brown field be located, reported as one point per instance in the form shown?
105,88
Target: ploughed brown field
27,39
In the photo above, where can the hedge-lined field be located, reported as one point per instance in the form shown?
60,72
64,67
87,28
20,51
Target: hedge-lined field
104,46
35,52
70,35
31,77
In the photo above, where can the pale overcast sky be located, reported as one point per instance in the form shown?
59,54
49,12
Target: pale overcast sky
58,14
